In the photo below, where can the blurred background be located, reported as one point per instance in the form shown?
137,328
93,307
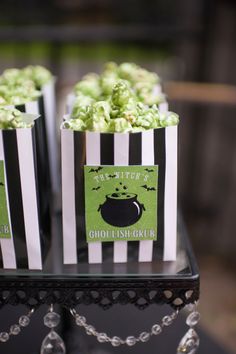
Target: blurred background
191,45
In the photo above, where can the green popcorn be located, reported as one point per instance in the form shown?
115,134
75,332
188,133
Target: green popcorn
3,102
121,94
18,92
148,117
137,129
74,124
127,71
107,82
168,119
122,99
123,102
81,112
38,74
82,107
135,73
145,92
4,91
10,76
111,66
99,125
89,86
82,101
100,110
20,95
108,78
11,118
119,125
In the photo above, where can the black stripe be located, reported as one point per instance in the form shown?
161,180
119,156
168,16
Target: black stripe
135,149
15,196
1,259
44,143
21,108
79,162
44,223
107,149
107,158
135,158
160,160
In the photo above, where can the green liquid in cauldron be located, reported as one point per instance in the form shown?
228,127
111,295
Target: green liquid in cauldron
121,196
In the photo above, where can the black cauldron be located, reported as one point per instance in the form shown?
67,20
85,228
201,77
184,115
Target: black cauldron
121,209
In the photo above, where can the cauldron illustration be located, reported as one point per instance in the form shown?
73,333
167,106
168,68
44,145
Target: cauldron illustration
121,209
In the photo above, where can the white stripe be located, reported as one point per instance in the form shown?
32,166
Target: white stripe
170,211
148,147
93,149
163,107
121,149
7,244
48,91
32,107
70,99
93,158
146,246
157,89
68,197
121,158
170,199
29,197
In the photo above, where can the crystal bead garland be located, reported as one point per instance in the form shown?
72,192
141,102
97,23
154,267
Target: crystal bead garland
190,341
15,329
52,343
116,341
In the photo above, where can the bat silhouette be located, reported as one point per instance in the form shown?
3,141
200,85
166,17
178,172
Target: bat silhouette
148,170
96,188
112,176
1,184
96,169
148,188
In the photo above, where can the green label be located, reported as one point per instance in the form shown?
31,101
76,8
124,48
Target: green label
4,218
121,203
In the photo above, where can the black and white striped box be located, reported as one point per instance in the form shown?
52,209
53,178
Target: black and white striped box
152,147
24,247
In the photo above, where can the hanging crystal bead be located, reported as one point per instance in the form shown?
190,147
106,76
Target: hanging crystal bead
102,337
90,330
156,329
51,319
167,321
189,343
4,336
53,344
144,336
15,329
190,307
193,318
131,340
115,341
80,320
24,321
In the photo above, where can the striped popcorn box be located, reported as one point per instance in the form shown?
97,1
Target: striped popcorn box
119,188
22,233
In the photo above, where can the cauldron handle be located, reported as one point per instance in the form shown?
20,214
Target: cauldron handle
142,207
99,208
